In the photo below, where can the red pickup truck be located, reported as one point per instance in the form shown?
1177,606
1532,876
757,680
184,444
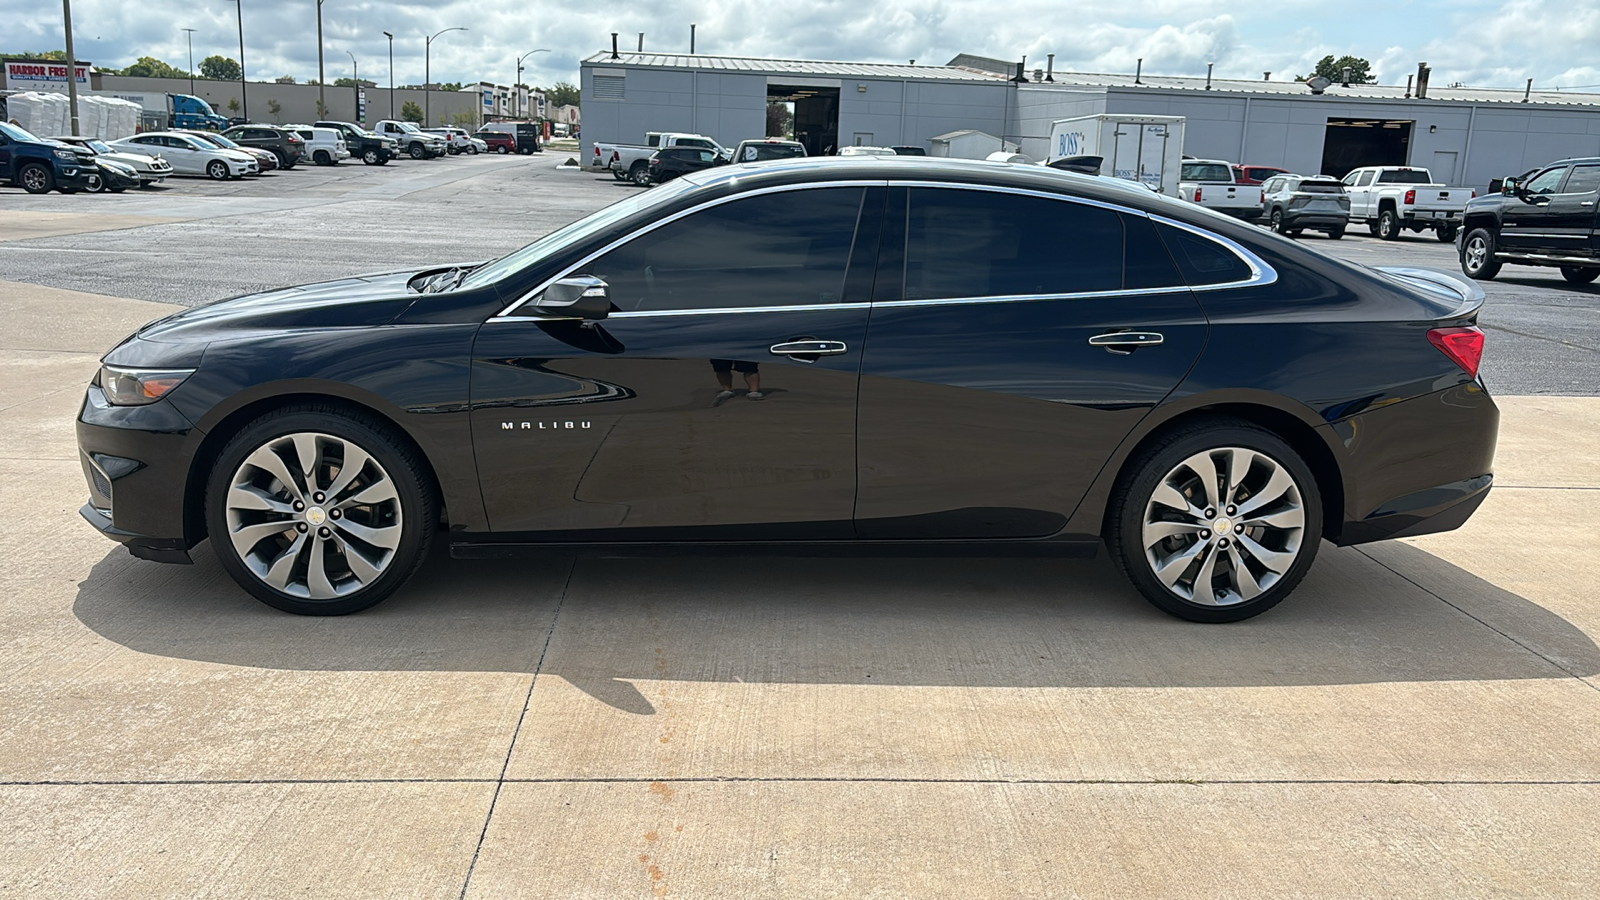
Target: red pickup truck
498,141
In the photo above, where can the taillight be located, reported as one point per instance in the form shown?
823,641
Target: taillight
1261,196
1197,195
1411,197
597,150
1464,346
616,156
1474,194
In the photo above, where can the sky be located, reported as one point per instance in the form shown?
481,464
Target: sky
1480,43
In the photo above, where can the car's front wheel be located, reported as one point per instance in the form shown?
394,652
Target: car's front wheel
36,178
96,183
372,158
218,170
316,510
1477,255
1445,233
1277,221
1216,522
418,151
1579,274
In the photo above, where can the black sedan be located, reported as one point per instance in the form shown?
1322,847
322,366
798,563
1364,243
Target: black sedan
880,355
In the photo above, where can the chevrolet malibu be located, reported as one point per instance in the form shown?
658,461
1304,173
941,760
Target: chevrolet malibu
878,355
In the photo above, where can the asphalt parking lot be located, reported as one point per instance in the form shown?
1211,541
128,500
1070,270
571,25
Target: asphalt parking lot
1420,719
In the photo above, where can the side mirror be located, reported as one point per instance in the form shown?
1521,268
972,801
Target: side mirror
1510,188
578,297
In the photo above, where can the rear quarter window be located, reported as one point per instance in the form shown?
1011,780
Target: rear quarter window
1203,261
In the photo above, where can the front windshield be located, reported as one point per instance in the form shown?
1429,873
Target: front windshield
410,128
581,230
16,132
219,139
99,146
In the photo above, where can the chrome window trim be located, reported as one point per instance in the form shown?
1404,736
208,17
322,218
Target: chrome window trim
529,295
1261,274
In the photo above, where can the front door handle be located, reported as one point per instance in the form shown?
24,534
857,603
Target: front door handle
1124,342
808,347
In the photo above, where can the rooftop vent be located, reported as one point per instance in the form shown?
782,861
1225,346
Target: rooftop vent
1318,84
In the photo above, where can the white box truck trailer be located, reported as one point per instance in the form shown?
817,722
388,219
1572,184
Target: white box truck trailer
1147,149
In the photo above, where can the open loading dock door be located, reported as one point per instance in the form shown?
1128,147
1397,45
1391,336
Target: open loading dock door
1353,143
816,115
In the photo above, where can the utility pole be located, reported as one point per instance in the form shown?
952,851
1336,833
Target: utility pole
391,73
427,76
190,35
72,66
355,86
244,96
322,79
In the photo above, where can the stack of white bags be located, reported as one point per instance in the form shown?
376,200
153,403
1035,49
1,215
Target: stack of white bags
47,115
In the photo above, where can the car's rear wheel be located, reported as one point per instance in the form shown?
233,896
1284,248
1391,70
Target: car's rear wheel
639,174
1477,255
1579,274
1216,522
504,149
1335,233
217,169
1445,233
1388,225
1372,227
1276,222
322,158
36,178
319,511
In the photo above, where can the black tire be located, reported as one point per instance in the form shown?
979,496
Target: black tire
418,151
96,183
404,466
1445,233
372,157
36,178
503,149
322,158
1477,255
217,170
639,174
1335,234
1372,226
1579,274
1136,487
1275,222
283,160
1388,225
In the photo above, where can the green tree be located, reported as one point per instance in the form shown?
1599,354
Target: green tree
275,108
1333,70
150,67
233,104
467,120
284,79
780,120
57,55
450,86
219,68
562,93
410,111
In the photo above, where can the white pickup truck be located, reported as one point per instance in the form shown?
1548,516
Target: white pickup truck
1391,198
1210,183
631,162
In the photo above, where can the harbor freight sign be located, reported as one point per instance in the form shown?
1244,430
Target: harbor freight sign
42,75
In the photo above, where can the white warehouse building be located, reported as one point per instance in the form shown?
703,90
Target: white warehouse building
1464,135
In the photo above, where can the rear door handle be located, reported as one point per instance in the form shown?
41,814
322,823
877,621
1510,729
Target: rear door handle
808,347
1126,341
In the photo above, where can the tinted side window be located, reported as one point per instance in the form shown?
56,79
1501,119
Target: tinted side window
1148,264
967,243
1365,179
784,249
1583,180
1203,261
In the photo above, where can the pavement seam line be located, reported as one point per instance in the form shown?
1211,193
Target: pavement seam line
1559,667
527,701
818,779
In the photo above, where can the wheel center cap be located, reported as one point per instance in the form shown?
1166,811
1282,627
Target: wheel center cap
1221,526
315,515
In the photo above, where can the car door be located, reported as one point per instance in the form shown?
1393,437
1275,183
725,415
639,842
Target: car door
1572,211
718,399
1529,224
179,152
5,158
1016,339
1359,185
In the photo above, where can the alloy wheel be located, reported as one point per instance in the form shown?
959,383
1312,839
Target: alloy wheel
1477,251
35,179
313,516
1224,526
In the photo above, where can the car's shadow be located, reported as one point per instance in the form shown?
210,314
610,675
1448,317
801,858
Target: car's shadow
1557,283
958,622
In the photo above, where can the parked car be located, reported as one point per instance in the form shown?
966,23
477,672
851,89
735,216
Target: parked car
110,175
762,149
1255,174
455,139
1294,203
478,145
909,151
284,144
1391,198
39,166
497,141
1127,369
867,151
188,155
668,164
324,146
1210,183
411,140
150,167
631,162
266,161
1548,219
371,148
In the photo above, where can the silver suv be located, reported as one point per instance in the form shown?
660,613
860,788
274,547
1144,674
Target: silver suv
1295,203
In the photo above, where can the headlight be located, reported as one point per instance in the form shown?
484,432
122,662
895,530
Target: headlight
138,387
66,154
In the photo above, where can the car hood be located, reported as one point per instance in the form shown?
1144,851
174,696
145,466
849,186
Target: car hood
362,301
137,160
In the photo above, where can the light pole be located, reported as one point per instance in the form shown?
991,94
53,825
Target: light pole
322,79
244,96
355,84
72,65
391,73
190,36
427,86
516,88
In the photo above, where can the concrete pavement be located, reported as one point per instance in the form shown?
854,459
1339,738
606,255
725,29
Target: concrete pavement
1420,719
